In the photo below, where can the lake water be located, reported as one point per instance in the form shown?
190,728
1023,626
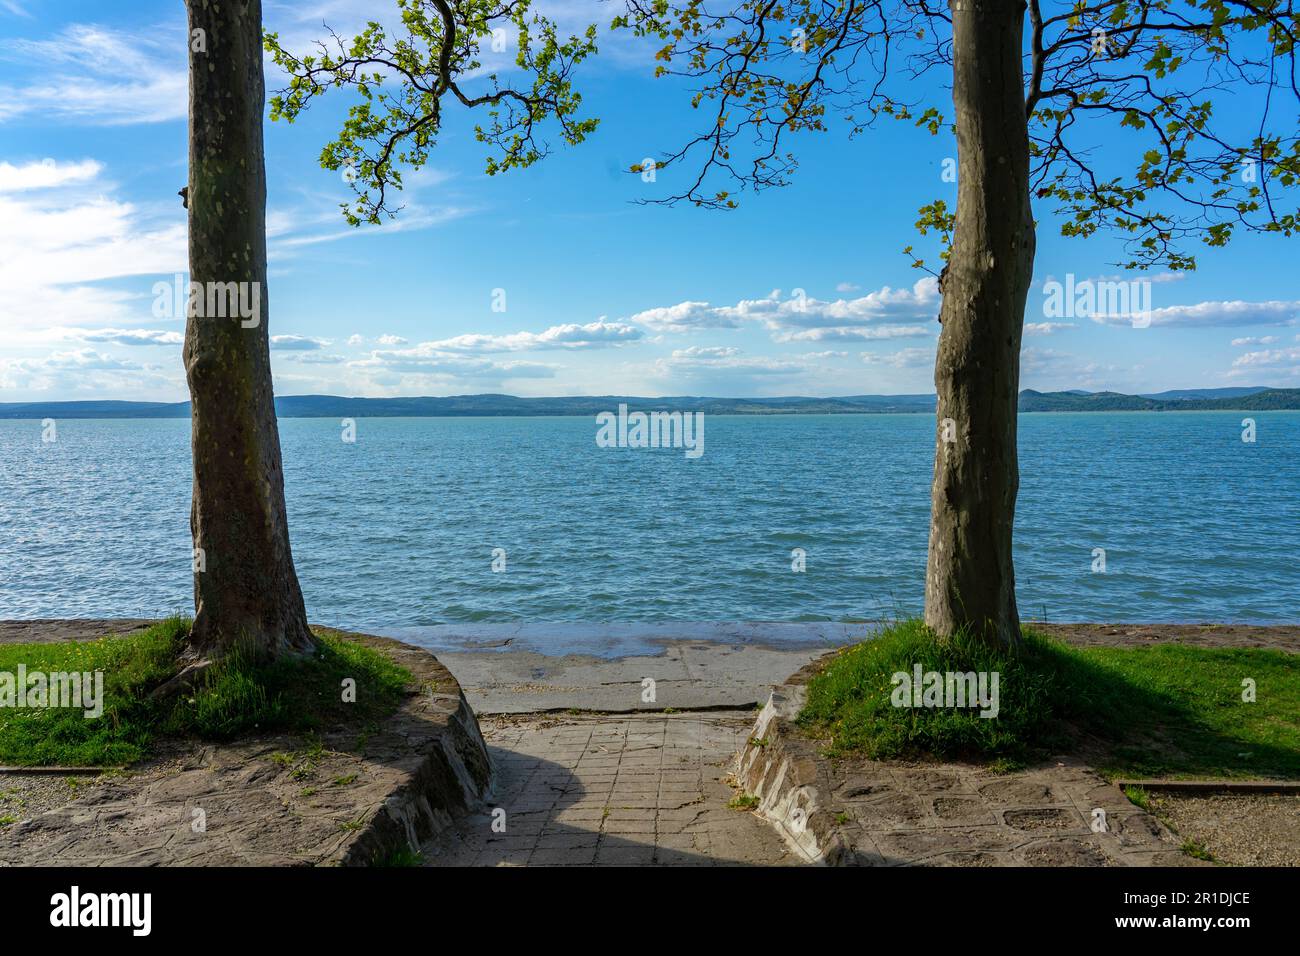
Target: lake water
398,528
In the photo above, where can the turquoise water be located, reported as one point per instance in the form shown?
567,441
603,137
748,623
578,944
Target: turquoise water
398,529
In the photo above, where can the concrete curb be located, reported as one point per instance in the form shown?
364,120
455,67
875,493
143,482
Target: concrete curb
447,773
810,802
1209,788
415,774
783,771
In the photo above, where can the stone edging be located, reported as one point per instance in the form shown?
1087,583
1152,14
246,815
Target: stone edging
783,770
1210,788
873,814
447,774
418,771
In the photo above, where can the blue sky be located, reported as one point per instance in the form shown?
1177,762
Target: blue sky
803,290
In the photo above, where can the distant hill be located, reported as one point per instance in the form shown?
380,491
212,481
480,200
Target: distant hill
310,406
1183,393
334,406
94,409
1261,400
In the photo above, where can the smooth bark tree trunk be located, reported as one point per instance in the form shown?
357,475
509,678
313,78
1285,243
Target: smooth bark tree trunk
970,582
245,588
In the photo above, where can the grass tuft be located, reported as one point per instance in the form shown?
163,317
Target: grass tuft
1196,849
1139,797
1159,710
235,697
403,856
850,700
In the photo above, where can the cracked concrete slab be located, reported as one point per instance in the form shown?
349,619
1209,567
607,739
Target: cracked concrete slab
688,675
635,790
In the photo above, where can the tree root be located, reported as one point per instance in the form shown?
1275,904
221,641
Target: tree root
183,682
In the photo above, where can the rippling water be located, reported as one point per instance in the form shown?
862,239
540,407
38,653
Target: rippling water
398,529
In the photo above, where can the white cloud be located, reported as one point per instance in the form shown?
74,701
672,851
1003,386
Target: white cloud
64,234
314,358
296,343
593,335
45,174
99,76
799,316
1256,340
706,352
124,336
383,340
81,359
847,287
413,217
819,356
1156,278
1269,358
903,358
684,316
1044,360
1053,370
82,370
425,360
1046,328
725,369
1209,314
870,334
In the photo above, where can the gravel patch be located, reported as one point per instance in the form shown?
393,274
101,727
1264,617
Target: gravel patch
1238,830
23,796
1278,637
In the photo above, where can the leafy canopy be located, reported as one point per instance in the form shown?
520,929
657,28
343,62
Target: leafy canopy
1206,88
403,82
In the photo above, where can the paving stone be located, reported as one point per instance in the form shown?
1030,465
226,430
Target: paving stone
625,855
653,795
854,811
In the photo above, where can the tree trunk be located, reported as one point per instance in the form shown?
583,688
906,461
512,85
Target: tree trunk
245,589
969,581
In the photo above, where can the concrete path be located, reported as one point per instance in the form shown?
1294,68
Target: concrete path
610,791
686,676
533,668
619,639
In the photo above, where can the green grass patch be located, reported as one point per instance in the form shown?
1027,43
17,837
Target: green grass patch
1196,849
404,856
234,698
1159,710
1139,797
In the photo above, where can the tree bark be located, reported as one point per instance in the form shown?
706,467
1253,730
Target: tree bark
245,588
970,581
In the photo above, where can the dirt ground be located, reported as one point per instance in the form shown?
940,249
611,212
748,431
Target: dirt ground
1284,637
1238,830
1281,637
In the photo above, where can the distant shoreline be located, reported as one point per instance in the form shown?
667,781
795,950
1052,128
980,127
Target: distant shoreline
510,406
550,415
